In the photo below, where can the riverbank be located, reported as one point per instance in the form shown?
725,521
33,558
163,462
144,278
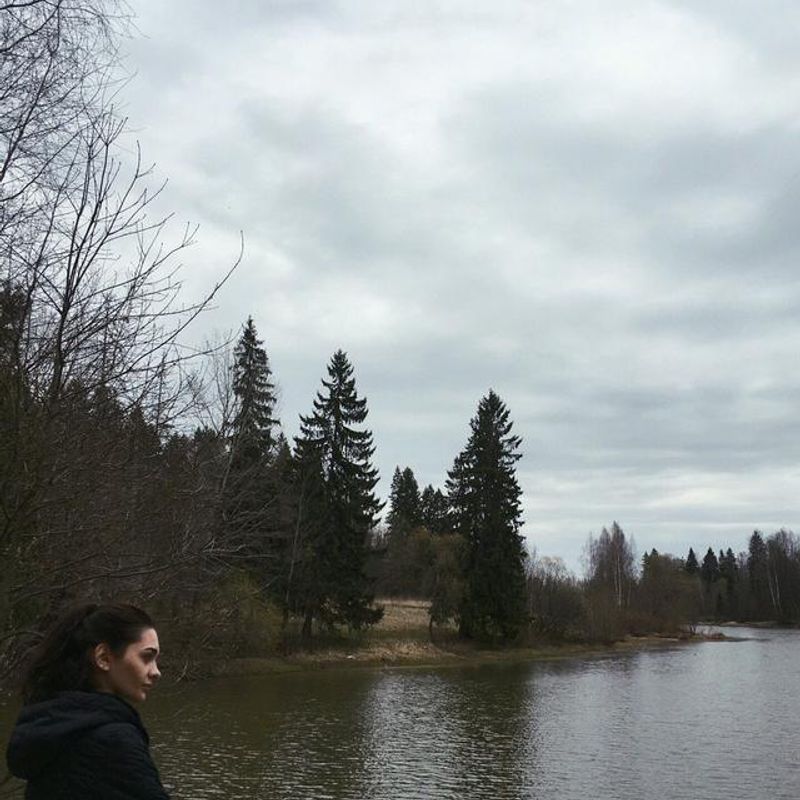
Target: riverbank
402,639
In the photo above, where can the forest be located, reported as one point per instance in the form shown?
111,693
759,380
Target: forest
134,467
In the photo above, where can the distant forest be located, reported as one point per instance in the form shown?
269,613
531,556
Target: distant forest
619,595
132,467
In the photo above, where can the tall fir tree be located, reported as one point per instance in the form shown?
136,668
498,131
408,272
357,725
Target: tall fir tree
252,526
255,427
404,504
691,566
334,453
709,569
434,510
729,571
758,574
485,501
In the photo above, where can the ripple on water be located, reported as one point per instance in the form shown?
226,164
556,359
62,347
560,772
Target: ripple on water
702,722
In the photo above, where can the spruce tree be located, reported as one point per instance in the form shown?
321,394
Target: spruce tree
729,571
758,572
485,501
335,452
434,510
251,526
404,504
691,567
709,569
254,425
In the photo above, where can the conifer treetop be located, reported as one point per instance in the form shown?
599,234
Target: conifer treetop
485,502
255,422
333,435
485,469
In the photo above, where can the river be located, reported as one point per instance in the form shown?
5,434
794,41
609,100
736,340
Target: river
696,721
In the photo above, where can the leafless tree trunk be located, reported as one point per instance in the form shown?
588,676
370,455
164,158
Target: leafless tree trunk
92,376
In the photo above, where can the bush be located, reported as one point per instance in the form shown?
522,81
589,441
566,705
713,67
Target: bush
555,601
232,620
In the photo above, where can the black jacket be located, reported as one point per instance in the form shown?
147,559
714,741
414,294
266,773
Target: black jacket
83,746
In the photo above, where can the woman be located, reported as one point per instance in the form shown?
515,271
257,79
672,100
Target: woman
78,736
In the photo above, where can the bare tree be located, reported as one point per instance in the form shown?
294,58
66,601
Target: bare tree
612,564
92,373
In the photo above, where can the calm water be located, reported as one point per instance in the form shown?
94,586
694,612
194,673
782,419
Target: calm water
712,720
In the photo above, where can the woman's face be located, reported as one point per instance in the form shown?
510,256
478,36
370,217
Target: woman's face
132,674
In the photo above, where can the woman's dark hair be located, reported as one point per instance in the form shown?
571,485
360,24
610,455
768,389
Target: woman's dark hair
62,660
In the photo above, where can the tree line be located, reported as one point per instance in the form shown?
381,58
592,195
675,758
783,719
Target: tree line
132,466
102,489
618,594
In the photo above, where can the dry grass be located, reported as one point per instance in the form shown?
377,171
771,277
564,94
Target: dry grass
402,616
402,639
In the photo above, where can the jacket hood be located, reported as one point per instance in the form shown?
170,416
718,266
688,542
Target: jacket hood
44,731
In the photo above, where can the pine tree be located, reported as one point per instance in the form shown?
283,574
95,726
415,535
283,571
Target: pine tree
709,570
434,510
254,425
758,572
691,567
648,561
252,527
729,571
485,501
335,454
404,504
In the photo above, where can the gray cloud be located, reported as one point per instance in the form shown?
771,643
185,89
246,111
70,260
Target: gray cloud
589,209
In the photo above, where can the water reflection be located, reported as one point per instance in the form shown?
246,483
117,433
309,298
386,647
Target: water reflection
451,734
700,722
288,736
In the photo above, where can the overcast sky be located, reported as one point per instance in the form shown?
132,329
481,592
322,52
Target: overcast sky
590,207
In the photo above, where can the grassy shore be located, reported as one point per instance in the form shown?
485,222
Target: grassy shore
402,639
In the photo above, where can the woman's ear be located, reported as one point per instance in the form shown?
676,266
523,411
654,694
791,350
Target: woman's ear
101,657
